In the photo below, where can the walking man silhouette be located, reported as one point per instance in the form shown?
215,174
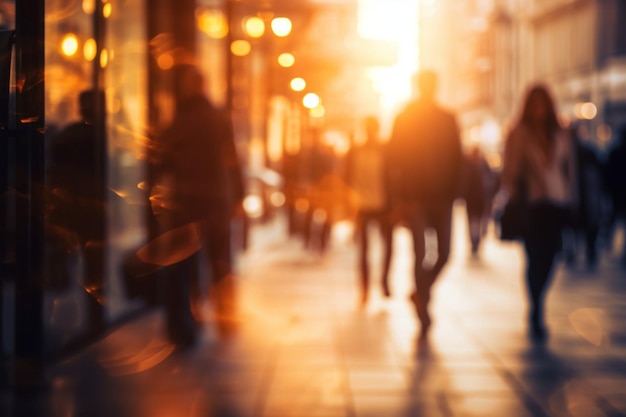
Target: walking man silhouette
424,164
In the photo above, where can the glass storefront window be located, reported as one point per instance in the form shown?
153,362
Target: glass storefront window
89,46
125,84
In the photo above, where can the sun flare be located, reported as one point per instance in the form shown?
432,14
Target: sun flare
397,21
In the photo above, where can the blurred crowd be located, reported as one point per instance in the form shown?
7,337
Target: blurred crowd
574,196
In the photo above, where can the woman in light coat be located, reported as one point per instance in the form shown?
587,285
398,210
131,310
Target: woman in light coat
538,154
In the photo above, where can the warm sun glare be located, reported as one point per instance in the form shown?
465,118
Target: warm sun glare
392,20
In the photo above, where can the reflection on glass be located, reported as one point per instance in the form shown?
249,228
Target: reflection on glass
90,49
165,61
107,9
212,22
240,47
89,6
104,58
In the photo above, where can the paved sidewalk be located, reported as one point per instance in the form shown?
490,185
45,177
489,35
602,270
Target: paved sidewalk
306,349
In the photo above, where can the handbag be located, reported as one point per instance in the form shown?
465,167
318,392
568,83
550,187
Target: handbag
514,219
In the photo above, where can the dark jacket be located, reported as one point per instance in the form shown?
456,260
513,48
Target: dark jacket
199,158
424,155
77,177
616,176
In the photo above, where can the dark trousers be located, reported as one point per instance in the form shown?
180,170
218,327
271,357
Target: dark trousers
183,281
542,245
382,218
439,219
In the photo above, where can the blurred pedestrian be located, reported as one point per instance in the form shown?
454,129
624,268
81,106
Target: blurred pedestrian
321,175
616,182
478,189
588,202
366,173
200,168
77,176
424,165
538,154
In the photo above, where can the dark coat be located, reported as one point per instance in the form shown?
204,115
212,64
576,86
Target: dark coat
425,155
77,178
199,158
616,176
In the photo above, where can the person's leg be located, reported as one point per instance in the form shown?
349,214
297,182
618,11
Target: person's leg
223,280
539,261
325,230
363,223
386,231
473,227
591,239
474,224
541,246
421,296
441,219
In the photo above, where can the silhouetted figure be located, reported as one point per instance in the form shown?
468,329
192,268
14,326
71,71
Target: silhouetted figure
424,163
77,177
320,168
201,171
616,181
479,185
367,178
589,198
538,154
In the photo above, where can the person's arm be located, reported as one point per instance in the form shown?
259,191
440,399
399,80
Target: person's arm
512,163
232,161
572,162
393,169
457,160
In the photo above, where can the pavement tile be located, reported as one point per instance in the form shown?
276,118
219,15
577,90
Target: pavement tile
395,405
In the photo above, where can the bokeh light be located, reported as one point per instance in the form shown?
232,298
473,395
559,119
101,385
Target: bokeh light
278,199
281,26
318,111
589,111
107,9
297,84
253,205
90,49
286,60
89,6
104,58
586,110
165,61
212,22
240,47
69,44
254,27
311,100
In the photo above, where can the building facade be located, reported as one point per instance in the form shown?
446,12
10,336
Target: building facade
500,47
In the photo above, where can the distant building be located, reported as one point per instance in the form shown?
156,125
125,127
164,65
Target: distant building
489,51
